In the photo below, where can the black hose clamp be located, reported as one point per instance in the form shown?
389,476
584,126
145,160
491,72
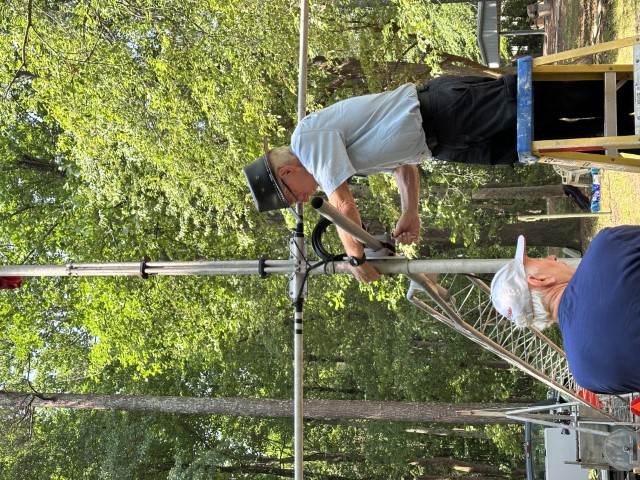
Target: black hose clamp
143,267
262,261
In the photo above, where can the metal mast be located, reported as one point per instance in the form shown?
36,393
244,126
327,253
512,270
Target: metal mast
298,248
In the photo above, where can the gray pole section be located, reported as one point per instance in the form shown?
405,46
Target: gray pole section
299,244
403,266
144,269
387,265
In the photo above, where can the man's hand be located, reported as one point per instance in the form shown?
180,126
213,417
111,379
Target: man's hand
408,228
365,273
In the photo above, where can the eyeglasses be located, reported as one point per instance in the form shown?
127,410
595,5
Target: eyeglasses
293,195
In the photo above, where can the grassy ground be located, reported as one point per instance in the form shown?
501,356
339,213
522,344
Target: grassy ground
621,190
605,21
577,23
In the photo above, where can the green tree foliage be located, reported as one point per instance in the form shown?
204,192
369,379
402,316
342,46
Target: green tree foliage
124,127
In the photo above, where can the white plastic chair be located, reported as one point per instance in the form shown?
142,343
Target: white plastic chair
573,175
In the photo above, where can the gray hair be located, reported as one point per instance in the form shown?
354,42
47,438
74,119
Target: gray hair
541,315
280,157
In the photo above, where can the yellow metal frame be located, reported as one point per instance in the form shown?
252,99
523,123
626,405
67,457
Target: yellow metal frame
593,143
591,160
590,50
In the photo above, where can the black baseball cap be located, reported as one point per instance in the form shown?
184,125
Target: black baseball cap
263,185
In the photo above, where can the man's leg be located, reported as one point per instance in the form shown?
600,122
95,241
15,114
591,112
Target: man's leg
473,118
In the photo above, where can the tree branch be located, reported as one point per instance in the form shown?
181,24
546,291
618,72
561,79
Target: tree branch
21,69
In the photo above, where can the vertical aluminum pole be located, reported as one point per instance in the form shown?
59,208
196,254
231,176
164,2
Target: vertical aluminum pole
299,251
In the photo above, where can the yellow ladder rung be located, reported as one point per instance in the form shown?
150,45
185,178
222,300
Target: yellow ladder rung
624,141
591,160
589,50
580,72
583,68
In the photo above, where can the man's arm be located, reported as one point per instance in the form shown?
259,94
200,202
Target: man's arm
343,200
408,227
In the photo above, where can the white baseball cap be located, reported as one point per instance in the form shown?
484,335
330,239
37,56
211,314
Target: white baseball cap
510,291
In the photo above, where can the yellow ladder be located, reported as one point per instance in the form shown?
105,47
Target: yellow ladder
566,152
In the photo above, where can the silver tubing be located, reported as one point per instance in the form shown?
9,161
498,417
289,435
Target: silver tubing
299,278
437,293
297,293
386,265
133,269
403,266
302,59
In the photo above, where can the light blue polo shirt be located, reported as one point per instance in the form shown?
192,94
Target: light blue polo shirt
361,136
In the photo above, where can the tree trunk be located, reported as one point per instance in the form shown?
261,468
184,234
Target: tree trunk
503,208
270,470
518,193
347,71
454,432
261,407
255,469
460,466
319,457
27,162
335,391
495,364
564,232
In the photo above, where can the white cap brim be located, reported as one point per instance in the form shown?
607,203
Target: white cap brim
520,249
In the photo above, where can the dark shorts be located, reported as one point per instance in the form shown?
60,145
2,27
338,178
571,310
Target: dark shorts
471,119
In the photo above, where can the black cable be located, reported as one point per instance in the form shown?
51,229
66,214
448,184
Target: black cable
316,240
477,277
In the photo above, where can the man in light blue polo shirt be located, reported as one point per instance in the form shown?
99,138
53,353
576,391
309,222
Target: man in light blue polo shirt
387,132
361,136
